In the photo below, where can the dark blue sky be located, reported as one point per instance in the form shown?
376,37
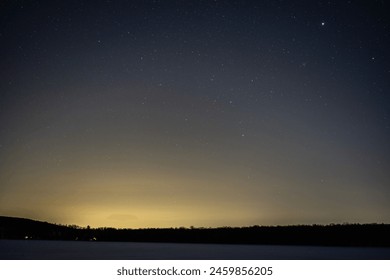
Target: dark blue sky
205,113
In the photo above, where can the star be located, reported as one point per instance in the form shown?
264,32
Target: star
323,23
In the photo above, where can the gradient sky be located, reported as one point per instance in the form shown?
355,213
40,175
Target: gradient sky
195,113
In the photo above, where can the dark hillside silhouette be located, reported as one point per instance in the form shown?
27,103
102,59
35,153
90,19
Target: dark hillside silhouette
329,235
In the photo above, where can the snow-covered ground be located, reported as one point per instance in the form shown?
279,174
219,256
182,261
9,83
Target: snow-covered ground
57,250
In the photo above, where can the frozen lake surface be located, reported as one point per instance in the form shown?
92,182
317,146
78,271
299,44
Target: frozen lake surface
79,250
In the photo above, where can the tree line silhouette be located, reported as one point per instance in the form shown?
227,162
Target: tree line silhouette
322,235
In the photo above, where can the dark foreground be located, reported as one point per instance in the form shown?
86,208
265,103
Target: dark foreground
345,235
84,250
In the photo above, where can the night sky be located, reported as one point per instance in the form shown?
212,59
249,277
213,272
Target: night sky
195,113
